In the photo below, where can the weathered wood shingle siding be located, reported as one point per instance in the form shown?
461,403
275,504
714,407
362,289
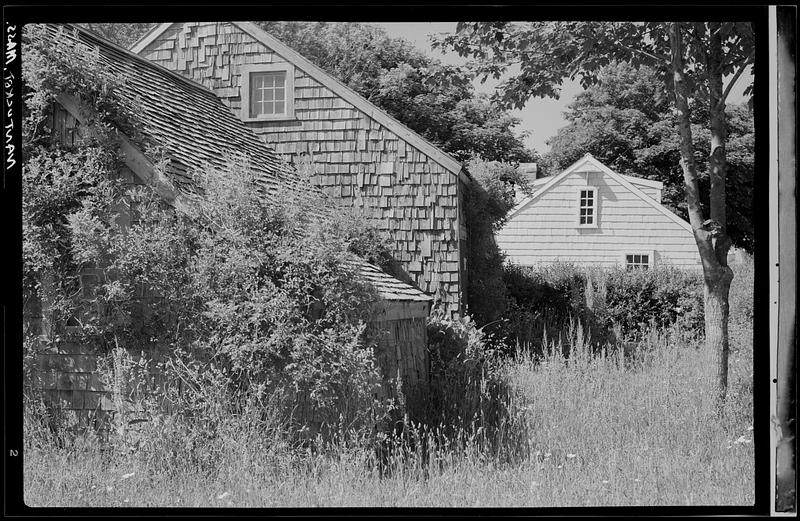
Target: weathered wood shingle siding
356,158
546,230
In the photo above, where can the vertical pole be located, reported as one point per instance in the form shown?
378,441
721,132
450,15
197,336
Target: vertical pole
786,495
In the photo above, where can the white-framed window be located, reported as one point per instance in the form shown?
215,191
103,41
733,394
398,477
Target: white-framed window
638,260
267,91
587,207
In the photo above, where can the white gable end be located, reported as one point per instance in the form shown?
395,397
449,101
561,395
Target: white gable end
629,220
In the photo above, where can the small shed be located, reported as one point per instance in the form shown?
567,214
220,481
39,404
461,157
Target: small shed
175,116
591,215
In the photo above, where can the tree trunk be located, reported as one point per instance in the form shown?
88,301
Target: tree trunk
718,282
710,237
716,289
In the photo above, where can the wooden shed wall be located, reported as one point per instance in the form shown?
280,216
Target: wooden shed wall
546,230
357,159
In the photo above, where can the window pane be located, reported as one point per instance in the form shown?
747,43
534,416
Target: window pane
254,109
267,93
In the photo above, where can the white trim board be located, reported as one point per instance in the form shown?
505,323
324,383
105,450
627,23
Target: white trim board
330,82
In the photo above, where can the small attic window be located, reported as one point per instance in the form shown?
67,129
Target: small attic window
587,207
267,92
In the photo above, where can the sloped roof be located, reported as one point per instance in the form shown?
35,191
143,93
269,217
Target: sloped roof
187,120
333,84
391,288
197,131
542,185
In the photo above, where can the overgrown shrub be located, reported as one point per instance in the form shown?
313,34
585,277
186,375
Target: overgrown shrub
545,300
663,296
487,202
469,394
262,290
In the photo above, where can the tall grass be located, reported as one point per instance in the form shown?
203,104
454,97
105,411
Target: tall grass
605,429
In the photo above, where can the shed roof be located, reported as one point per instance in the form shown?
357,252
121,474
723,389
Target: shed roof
197,131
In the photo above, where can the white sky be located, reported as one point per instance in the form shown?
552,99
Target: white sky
541,117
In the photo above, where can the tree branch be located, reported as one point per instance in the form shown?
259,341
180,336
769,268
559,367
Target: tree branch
731,84
663,60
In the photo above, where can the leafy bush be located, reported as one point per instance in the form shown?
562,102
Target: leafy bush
487,203
664,296
544,300
262,290
469,394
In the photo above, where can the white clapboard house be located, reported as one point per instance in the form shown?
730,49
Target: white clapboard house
591,215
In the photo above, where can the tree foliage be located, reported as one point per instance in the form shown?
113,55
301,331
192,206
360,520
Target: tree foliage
487,204
123,34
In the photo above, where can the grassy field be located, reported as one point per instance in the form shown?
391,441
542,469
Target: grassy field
601,431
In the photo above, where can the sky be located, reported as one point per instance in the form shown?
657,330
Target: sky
541,117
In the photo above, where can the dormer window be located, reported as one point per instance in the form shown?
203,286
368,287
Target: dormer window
587,207
267,92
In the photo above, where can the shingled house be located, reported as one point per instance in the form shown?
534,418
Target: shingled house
362,154
195,130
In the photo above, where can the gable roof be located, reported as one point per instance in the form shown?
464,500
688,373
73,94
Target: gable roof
331,83
195,130
638,181
544,184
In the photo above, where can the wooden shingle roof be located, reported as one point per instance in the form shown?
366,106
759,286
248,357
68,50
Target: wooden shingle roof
196,131
185,119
